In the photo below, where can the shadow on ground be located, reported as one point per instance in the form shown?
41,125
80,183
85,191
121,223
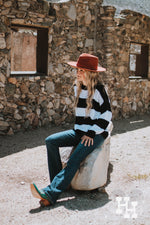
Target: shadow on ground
30,139
78,201
24,140
81,200
130,124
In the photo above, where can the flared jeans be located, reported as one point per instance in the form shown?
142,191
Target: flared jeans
61,178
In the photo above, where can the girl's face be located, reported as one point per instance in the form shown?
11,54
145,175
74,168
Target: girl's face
81,76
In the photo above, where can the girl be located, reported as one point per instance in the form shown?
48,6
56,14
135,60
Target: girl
93,116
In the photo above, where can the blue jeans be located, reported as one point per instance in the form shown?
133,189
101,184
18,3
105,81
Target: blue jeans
61,178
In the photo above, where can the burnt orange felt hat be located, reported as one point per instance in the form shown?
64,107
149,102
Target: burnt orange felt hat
87,62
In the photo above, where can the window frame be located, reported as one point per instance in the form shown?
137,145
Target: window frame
136,74
41,70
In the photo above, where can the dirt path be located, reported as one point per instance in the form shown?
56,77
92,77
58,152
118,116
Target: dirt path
23,160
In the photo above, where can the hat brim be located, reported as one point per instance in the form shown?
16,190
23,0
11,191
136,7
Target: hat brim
74,64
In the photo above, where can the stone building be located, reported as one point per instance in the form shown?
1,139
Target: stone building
36,39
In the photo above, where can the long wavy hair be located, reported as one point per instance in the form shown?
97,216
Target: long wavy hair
92,79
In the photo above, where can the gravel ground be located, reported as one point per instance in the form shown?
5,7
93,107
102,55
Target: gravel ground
23,160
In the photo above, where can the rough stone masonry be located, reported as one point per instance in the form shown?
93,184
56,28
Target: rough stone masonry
74,27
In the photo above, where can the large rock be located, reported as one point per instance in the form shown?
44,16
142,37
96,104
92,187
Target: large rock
93,170
88,18
92,173
72,13
2,43
3,125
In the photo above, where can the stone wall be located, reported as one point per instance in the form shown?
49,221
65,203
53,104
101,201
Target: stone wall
128,96
73,27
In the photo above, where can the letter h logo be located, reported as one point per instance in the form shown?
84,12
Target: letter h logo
128,211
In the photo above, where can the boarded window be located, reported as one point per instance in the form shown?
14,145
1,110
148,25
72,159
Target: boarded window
138,64
29,51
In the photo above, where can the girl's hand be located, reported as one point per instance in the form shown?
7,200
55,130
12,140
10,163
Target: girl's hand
87,140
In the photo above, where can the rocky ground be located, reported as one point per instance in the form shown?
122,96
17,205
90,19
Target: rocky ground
23,160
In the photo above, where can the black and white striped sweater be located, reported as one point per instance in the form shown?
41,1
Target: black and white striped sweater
99,116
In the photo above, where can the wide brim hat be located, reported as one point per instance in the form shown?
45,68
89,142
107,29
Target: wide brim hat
87,62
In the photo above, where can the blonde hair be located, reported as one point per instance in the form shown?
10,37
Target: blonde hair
92,79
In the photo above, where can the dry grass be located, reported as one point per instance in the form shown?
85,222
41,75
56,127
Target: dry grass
138,177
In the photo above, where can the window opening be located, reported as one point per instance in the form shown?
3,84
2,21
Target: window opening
29,51
138,61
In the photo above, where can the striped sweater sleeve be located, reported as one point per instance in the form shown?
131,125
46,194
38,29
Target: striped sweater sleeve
99,117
